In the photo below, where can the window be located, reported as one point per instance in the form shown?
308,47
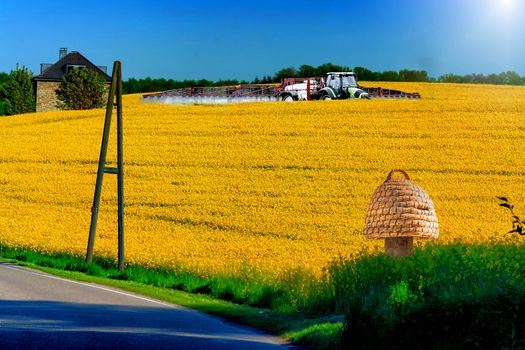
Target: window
335,82
349,81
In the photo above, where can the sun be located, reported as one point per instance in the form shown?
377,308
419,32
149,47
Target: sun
506,7
502,15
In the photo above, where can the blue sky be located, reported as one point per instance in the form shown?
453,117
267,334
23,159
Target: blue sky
243,39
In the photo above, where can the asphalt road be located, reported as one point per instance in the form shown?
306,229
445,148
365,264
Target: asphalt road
41,311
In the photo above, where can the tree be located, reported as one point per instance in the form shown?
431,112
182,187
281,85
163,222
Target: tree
509,78
16,94
266,79
365,74
288,72
329,67
227,82
3,77
389,75
307,71
81,88
413,75
451,78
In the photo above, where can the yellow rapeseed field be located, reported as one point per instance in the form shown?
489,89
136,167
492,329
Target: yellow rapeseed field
266,185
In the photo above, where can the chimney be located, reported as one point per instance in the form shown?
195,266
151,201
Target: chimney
62,53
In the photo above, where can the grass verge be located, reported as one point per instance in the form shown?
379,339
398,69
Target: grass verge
455,296
313,332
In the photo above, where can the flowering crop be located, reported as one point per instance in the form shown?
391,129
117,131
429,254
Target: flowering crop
273,186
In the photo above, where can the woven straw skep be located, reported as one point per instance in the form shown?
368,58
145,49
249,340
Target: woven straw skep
401,209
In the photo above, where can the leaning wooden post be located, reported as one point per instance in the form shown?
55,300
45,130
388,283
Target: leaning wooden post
115,90
120,167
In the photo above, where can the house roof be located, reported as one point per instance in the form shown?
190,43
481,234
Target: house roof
56,71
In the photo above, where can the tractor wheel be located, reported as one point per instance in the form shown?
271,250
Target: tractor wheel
288,98
326,97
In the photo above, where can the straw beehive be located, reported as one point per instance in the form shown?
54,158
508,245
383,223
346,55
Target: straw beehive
399,213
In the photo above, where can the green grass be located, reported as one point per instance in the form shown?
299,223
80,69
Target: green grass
180,287
444,273
443,297
294,292
475,290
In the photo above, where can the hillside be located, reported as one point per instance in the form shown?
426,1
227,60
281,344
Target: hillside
267,185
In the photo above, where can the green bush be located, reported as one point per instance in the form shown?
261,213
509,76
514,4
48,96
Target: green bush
493,322
82,88
453,296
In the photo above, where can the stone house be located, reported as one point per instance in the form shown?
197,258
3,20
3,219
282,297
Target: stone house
51,75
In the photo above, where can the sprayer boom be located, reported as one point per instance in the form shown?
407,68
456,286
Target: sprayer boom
336,86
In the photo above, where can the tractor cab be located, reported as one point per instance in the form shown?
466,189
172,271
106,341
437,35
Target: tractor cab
341,80
342,85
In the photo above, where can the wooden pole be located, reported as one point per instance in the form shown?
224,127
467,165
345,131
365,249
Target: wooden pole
120,166
115,90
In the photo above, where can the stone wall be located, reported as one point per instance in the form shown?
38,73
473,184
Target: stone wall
46,98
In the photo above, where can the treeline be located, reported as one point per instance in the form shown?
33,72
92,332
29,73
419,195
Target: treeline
504,78
133,85
362,73
404,75
3,78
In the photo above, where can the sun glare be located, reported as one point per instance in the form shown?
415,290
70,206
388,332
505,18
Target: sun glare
506,8
501,15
